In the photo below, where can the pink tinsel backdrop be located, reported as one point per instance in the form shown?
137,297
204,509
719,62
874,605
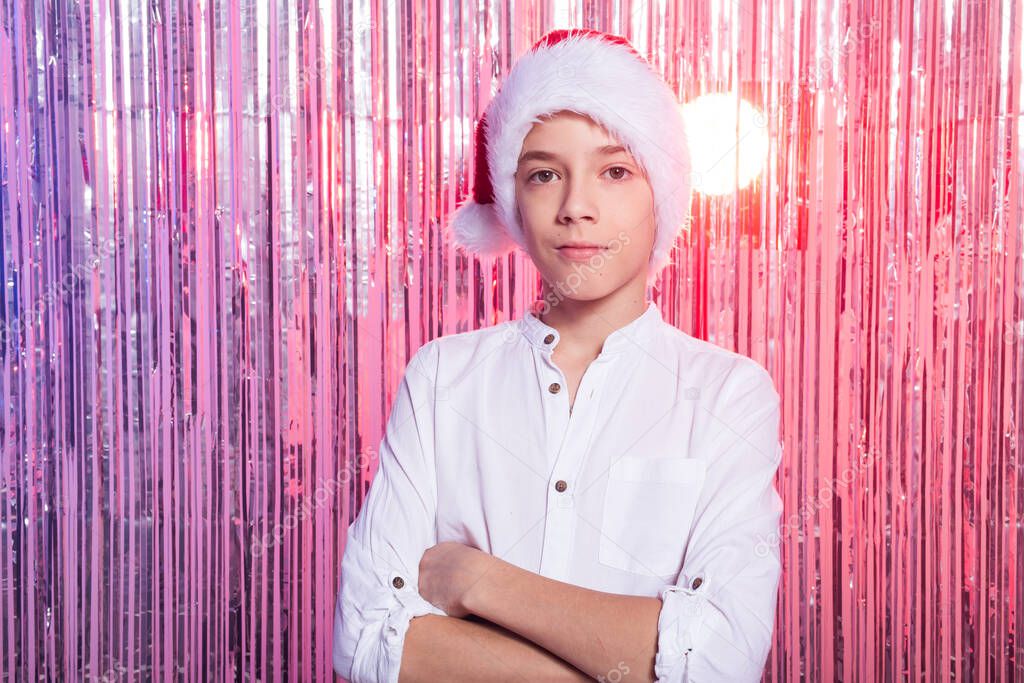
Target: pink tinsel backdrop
221,242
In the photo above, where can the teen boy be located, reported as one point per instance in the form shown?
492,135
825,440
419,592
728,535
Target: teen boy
585,491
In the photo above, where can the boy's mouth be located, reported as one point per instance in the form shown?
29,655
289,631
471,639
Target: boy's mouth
580,251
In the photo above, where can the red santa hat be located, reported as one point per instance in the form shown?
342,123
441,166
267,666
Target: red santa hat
598,75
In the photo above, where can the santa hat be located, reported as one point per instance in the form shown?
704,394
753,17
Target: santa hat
601,76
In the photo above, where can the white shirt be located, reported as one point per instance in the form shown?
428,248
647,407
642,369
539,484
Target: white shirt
659,483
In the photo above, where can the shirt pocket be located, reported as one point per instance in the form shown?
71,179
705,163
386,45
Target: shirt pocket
649,506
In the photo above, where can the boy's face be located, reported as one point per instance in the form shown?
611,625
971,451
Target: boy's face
570,187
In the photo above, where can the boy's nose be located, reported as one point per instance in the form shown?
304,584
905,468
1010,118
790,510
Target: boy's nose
577,206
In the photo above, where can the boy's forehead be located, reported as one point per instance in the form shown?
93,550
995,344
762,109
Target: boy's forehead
545,136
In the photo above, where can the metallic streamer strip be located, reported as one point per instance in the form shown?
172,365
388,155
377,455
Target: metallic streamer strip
221,242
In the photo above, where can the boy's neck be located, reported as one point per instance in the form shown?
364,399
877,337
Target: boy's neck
583,325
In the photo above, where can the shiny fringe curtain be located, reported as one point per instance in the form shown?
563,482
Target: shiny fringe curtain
221,242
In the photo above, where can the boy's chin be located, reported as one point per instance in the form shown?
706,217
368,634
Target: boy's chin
597,288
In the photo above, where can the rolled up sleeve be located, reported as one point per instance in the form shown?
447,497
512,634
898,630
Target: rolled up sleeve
717,619
378,595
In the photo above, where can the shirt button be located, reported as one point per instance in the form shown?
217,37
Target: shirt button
560,485
695,584
398,582
554,387
548,339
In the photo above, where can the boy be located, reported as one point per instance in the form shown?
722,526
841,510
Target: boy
583,492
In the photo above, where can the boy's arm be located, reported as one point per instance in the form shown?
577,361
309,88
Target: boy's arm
378,595
606,635
383,626
448,649
715,621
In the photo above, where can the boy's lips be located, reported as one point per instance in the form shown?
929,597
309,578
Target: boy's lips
580,253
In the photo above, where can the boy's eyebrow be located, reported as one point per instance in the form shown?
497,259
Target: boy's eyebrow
541,155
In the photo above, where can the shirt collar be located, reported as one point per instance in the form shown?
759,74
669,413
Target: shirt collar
545,337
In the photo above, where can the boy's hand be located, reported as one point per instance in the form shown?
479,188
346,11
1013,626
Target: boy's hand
447,571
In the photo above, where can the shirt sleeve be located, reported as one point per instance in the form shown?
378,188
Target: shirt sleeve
716,620
378,594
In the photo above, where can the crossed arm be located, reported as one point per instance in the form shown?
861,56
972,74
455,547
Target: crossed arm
534,628
441,648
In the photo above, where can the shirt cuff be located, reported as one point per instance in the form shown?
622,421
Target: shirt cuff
383,664
679,627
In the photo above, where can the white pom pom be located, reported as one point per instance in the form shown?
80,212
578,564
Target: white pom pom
477,228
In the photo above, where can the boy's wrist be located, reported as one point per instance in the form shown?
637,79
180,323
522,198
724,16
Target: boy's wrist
478,596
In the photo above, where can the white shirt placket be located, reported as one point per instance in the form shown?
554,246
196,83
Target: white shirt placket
569,445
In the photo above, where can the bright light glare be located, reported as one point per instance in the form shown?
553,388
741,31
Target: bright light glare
715,137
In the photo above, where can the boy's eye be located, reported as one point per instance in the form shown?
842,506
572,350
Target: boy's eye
537,173
622,176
